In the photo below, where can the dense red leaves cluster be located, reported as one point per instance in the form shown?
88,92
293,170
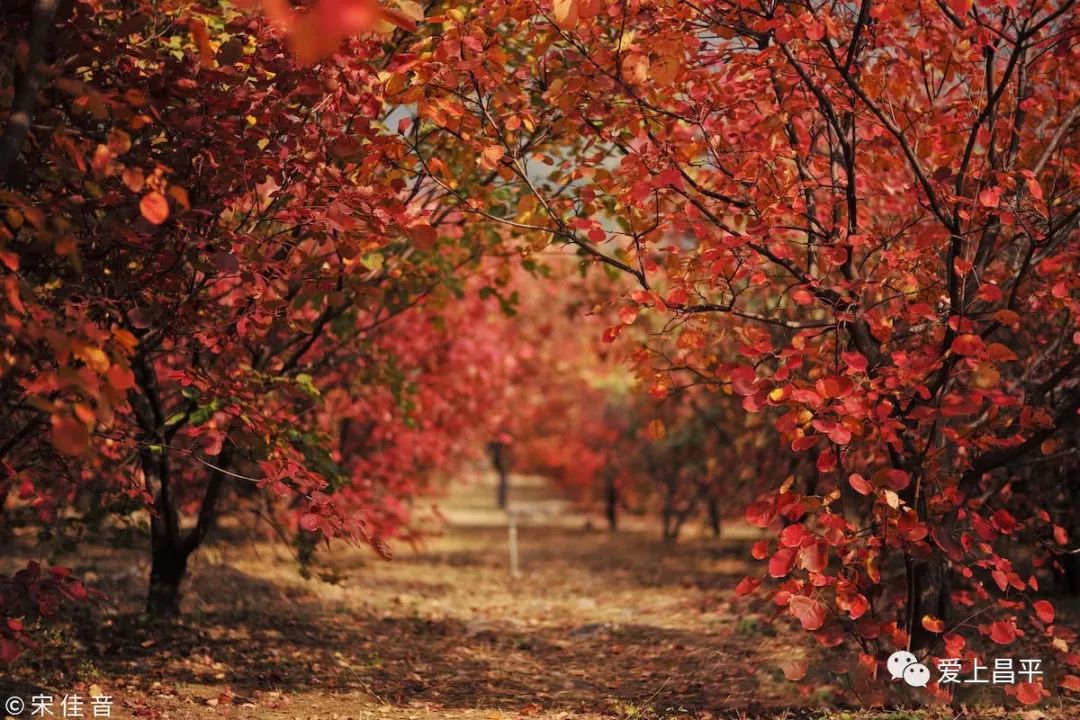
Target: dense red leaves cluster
844,230
857,219
222,288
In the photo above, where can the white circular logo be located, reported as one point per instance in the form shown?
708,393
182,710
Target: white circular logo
898,661
917,675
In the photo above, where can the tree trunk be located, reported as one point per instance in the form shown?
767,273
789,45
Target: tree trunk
498,459
668,514
611,503
1070,564
928,594
27,84
713,507
167,570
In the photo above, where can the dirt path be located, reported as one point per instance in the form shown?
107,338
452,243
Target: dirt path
597,625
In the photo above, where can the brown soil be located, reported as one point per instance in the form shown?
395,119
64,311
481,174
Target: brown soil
596,625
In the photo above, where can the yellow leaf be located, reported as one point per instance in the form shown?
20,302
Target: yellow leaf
411,9
94,357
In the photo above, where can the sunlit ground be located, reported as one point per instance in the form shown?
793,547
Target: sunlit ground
597,625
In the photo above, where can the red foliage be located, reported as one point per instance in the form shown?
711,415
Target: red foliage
845,216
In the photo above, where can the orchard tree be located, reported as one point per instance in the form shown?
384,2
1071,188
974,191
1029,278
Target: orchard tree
859,217
217,277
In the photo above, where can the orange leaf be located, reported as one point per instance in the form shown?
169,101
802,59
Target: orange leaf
202,41
120,377
566,14
399,18
933,624
154,207
490,156
656,429
834,386
794,670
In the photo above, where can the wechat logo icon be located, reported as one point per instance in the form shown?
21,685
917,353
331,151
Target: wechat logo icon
903,664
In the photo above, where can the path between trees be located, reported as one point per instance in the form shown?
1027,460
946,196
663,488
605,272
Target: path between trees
597,625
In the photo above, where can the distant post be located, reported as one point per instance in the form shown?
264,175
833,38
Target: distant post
512,538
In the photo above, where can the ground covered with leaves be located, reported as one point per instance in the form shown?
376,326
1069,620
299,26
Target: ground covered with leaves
595,625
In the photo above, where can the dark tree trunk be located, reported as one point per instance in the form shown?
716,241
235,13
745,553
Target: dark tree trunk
611,503
668,529
498,459
167,570
27,84
928,594
1070,564
713,507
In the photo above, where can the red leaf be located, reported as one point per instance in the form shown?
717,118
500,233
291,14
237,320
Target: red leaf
855,360
1070,683
990,197
859,484
310,522
677,296
746,586
760,514
834,386
121,378
814,558
792,535
70,436
809,611
743,381
9,651
856,605
1028,693
1002,632
967,345
1061,537
781,562
611,333
1044,610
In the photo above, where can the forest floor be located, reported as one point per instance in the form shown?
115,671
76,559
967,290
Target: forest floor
596,625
